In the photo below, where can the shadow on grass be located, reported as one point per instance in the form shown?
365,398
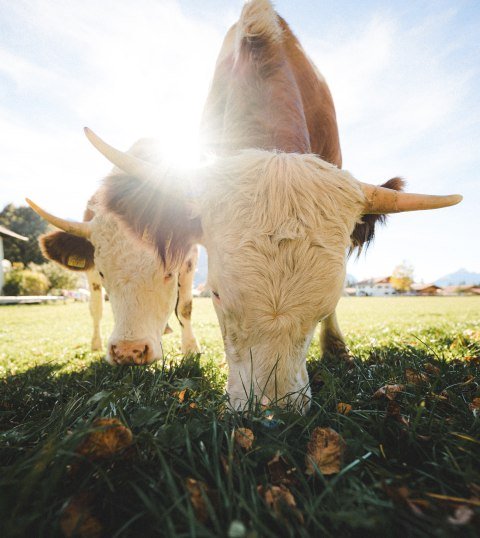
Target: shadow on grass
182,429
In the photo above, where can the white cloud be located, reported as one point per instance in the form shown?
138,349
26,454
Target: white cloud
141,68
127,69
406,108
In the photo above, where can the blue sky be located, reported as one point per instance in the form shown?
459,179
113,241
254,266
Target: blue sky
404,77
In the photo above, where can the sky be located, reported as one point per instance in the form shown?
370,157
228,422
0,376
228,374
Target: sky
404,78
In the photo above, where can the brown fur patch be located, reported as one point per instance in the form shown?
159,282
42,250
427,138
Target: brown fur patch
96,286
60,246
187,310
158,208
364,232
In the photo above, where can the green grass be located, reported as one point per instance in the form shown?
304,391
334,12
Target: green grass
52,388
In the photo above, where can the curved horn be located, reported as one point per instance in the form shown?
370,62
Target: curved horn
381,200
81,229
126,162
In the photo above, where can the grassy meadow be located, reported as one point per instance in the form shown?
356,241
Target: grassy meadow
174,467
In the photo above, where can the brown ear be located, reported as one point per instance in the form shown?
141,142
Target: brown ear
364,232
73,252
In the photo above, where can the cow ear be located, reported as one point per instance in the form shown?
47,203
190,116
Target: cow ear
364,231
73,252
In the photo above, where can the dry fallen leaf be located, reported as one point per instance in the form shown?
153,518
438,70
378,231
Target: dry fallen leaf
343,408
110,437
475,406
325,451
461,516
389,391
281,500
281,472
244,438
393,411
198,492
401,495
77,520
415,378
431,369
181,395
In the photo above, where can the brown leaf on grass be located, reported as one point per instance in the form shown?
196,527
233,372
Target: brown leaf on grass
401,495
324,451
109,438
431,369
244,438
394,411
461,516
389,391
343,408
475,406
181,395
281,472
415,378
77,519
198,493
282,502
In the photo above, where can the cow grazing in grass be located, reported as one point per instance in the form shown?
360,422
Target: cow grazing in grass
277,219
143,292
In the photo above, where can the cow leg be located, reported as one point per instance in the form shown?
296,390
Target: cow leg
96,307
331,338
183,310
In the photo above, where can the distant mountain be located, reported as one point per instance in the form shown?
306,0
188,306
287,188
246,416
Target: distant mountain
462,277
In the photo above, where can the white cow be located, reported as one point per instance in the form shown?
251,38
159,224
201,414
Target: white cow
276,221
143,292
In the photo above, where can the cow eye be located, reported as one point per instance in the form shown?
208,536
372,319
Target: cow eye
215,294
168,275
100,273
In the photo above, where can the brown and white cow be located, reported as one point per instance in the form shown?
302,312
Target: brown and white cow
143,292
274,209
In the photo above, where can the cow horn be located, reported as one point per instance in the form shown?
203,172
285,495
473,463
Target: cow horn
381,200
81,229
126,162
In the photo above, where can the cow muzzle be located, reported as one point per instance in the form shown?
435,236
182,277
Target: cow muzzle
133,352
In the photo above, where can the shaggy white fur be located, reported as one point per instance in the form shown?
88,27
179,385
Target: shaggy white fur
276,226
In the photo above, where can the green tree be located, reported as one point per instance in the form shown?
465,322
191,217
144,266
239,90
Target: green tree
59,277
23,221
402,277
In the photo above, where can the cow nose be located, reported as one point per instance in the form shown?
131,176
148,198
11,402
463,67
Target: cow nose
138,352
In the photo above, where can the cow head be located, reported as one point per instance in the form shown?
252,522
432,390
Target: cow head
141,290
277,227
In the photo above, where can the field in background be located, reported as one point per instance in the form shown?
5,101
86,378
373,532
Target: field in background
36,334
411,465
